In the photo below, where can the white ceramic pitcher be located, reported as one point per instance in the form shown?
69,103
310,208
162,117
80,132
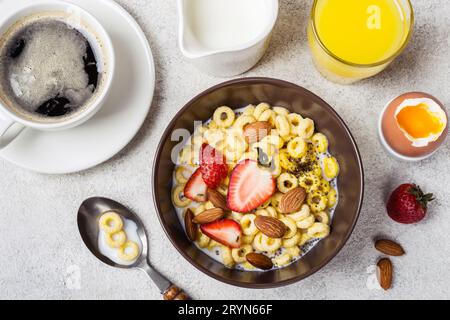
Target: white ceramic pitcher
232,58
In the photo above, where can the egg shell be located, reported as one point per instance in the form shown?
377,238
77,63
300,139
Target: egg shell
397,140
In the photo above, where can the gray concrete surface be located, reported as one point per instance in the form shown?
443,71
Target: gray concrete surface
42,256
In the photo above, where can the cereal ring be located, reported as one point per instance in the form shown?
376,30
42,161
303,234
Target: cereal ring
282,260
233,156
332,198
272,212
276,198
297,148
324,187
227,257
294,251
248,224
292,227
306,128
304,239
317,202
268,116
330,167
224,117
322,217
262,212
249,110
242,121
202,240
178,197
265,204
303,213
213,244
307,222
320,142
182,174
236,215
260,108
319,230
309,181
257,242
129,251
111,222
239,254
185,156
294,120
281,111
274,140
235,142
215,137
248,239
293,241
270,244
285,161
116,240
286,182
282,125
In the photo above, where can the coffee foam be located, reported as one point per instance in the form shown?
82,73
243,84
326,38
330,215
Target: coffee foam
51,64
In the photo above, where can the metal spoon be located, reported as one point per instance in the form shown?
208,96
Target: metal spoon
88,216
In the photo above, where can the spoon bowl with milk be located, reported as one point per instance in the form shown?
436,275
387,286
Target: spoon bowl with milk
89,214
225,37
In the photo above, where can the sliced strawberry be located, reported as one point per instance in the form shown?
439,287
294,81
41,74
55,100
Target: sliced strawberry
226,231
196,188
213,166
250,186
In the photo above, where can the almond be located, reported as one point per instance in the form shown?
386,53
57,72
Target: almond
208,216
389,247
217,199
271,227
292,200
259,261
385,273
191,227
256,131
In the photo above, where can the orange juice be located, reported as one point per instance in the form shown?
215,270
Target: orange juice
355,39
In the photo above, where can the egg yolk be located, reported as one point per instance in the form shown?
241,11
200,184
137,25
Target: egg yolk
419,122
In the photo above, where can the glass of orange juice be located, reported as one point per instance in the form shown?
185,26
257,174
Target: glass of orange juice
355,39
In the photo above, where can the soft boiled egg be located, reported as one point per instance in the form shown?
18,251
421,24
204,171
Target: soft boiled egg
413,125
421,120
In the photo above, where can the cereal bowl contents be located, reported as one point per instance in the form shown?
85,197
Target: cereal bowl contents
256,188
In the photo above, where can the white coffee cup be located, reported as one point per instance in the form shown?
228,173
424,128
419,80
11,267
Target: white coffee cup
13,122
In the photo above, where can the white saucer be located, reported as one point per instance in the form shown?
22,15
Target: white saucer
118,121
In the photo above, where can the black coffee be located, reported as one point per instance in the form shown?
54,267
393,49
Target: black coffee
48,68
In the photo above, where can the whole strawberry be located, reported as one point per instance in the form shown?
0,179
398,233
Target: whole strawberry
213,166
408,204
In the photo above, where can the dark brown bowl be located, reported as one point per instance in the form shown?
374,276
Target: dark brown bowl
236,94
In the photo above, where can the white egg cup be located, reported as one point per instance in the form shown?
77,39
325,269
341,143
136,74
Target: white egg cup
388,148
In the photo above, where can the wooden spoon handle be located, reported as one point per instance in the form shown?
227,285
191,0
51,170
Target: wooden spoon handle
175,293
